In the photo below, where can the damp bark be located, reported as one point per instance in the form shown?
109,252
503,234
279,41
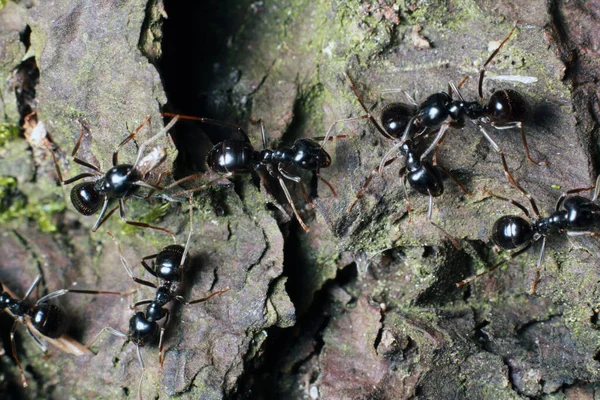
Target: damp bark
365,304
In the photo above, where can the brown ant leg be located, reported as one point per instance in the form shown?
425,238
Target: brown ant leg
519,124
512,256
141,224
289,199
115,156
366,185
490,58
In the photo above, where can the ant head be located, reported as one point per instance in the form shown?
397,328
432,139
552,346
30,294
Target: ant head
309,155
395,117
85,198
434,110
142,331
507,106
511,231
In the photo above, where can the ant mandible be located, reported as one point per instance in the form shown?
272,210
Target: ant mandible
169,266
47,320
573,216
506,109
119,182
235,157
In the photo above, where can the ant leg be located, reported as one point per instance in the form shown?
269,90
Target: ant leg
451,238
115,157
514,203
368,114
76,178
142,224
36,282
103,216
586,233
162,132
160,340
287,175
490,58
126,266
62,292
406,196
37,340
597,188
519,124
209,121
78,160
329,136
263,133
14,353
289,199
386,157
328,184
202,300
512,256
509,176
369,178
430,210
189,238
197,189
538,267
437,140
110,330
458,183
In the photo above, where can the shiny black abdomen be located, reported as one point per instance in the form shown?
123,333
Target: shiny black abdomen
86,199
395,117
167,263
426,180
231,156
511,231
48,319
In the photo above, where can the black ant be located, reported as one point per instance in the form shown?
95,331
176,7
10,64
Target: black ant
423,176
168,266
47,320
119,182
506,109
235,157
578,217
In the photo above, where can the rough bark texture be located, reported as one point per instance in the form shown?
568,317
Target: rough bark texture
364,305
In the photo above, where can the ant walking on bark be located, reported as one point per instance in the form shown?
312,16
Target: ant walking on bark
235,157
42,320
168,266
118,183
506,109
573,216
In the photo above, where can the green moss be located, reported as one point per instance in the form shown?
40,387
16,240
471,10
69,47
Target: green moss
15,205
8,132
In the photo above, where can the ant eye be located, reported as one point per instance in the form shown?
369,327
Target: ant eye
86,199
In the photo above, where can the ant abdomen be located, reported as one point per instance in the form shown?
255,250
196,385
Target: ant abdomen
49,320
86,199
507,105
168,263
511,231
231,156
395,117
